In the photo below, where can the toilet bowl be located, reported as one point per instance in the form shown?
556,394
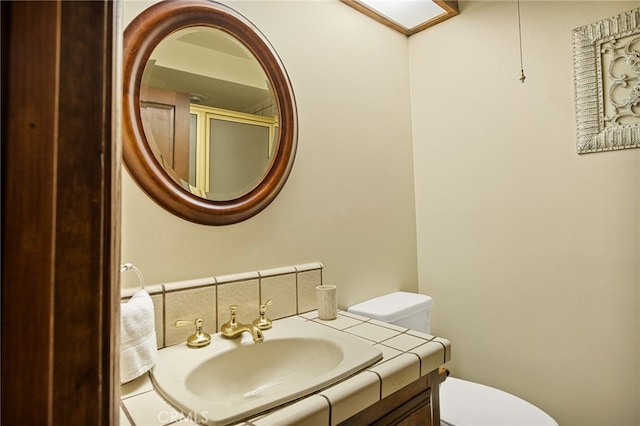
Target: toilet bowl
468,403
462,403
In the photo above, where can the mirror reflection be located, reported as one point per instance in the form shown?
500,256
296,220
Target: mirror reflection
209,113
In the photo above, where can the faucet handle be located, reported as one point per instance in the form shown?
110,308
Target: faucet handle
262,322
199,338
229,326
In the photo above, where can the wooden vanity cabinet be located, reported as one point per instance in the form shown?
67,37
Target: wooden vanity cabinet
417,404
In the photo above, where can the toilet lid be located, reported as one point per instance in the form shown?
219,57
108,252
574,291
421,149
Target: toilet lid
464,403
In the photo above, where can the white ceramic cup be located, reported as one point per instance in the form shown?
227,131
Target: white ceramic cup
327,302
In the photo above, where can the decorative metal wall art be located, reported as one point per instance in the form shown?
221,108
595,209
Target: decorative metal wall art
606,64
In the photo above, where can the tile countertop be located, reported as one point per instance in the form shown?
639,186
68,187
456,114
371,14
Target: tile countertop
407,356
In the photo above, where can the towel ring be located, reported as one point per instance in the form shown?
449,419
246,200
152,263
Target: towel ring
131,267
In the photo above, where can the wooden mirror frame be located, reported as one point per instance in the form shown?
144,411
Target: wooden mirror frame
141,37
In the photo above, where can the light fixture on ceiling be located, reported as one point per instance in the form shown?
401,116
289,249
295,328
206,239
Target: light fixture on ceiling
196,98
406,16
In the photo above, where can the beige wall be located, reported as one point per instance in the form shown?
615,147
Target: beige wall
529,250
349,202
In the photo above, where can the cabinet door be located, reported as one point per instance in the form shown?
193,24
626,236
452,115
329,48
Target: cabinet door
414,412
421,417
417,404
166,120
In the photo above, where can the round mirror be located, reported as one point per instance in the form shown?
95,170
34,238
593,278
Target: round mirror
210,126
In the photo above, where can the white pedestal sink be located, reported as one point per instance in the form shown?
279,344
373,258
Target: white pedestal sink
233,379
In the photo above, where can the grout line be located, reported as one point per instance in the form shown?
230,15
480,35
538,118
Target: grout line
419,363
194,287
215,307
164,318
126,413
297,295
260,301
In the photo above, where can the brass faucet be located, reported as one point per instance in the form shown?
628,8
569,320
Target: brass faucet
232,329
199,339
262,322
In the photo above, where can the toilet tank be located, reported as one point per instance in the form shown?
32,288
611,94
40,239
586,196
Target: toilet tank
409,310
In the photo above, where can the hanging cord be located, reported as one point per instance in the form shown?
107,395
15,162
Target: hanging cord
522,77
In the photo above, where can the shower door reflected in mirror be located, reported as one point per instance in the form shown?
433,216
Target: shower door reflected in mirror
230,152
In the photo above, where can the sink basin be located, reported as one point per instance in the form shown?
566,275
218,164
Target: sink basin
230,380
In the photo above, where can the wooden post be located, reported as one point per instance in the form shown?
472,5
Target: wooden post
60,212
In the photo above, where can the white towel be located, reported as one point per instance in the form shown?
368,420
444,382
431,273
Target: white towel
138,347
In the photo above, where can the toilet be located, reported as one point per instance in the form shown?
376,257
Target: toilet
462,403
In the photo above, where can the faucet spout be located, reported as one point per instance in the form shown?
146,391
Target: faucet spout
255,332
232,329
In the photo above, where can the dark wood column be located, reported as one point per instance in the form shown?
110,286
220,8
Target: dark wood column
60,212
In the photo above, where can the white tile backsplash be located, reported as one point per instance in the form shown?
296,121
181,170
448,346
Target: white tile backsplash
209,298
189,305
281,290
